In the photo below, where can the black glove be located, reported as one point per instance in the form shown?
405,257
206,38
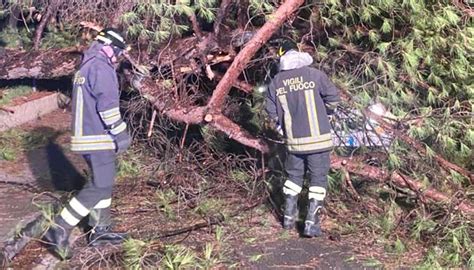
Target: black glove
122,142
331,110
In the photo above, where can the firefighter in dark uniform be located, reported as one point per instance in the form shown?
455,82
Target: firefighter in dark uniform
299,99
99,134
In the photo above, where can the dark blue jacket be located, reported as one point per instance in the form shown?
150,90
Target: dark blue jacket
297,99
95,104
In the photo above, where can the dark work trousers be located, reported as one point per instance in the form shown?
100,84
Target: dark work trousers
317,165
96,196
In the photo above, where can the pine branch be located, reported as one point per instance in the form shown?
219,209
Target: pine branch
195,24
467,10
446,165
244,56
224,7
420,148
378,174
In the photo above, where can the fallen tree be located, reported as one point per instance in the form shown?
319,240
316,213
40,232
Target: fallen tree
353,166
175,60
373,58
44,64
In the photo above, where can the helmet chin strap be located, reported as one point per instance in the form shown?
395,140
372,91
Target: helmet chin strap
109,53
117,51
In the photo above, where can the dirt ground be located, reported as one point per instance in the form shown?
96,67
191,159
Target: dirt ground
252,239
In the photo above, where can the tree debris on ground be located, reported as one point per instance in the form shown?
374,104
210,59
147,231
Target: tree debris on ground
192,92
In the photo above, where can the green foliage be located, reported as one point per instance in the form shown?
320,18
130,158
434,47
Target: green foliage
15,141
210,257
8,94
157,21
335,181
415,57
178,257
387,222
164,201
214,139
23,38
134,250
129,165
206,9
59,39
261,7
373,262
455,247
13,38
211,207
432,45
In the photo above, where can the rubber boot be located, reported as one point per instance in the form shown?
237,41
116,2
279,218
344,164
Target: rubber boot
312,225
291,211
57,241
102,235
4,262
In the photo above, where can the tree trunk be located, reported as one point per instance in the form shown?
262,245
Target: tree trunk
50,9
46,64
244,56
14,17
377,174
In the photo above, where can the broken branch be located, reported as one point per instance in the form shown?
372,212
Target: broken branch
377,174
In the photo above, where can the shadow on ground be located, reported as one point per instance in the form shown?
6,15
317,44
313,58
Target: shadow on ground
50,166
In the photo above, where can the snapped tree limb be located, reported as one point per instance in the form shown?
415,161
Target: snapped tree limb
244,56
44,64
377,174
445,164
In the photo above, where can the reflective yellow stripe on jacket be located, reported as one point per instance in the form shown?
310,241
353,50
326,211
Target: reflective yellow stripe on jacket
80,142
316,141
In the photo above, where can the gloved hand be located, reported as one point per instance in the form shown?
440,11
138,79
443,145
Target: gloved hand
279,130
122,142
331,110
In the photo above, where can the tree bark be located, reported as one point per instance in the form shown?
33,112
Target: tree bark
45,64
50,10
379,175
242,16
195,25
197,114
221,13
14,17
244,56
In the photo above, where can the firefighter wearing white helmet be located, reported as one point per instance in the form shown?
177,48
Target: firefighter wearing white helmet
299,99
98,134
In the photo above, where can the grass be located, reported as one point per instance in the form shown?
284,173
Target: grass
210,258
164,200
372,262
139,254
284,235
8,94
256,257
15,141
178,257
134,250
129,165
211,207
